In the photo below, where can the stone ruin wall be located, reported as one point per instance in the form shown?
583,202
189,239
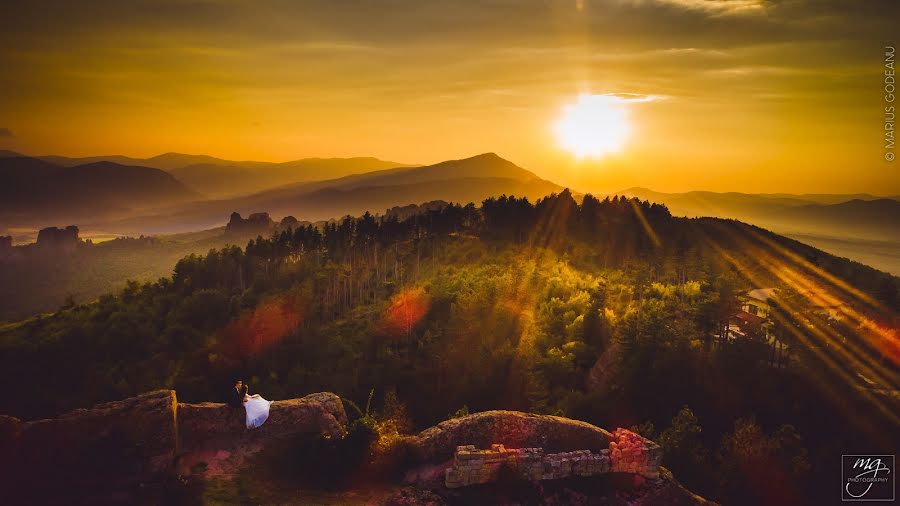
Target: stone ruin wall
627,453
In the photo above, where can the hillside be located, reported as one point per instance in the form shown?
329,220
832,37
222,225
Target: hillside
861,227
608,311
467,180
33,280
876,218
223,179
858,215
217,177
34,190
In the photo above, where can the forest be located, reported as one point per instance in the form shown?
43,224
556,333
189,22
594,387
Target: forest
610,311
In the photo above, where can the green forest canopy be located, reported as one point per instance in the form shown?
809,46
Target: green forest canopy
608,311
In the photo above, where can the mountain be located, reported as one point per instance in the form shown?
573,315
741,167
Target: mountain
35,190
742,206
218,178
870,217
165,161
230,179
467,180
766,208
862,227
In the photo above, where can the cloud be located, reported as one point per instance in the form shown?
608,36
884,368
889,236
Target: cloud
5,132
630,98
721,7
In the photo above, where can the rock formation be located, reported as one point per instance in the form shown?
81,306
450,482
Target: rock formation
120,446
116,445
206,432
534,459
256,223
138,450
58,239
513,429
288,222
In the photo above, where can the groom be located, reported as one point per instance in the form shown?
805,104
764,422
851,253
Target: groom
235,398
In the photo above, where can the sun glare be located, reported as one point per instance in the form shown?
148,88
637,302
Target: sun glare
593,126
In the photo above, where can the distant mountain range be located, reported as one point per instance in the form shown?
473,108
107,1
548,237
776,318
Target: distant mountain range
467,180
862,227
32,190
176,192
217,178
224,180
857,215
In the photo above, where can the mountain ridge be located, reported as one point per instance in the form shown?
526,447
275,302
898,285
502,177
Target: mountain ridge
488,175
38,189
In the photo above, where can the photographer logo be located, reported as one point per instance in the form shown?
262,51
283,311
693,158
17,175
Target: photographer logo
867,478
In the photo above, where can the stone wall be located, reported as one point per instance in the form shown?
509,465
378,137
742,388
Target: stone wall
627,453
631,453
513,429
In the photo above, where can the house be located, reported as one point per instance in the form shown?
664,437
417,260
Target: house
756,301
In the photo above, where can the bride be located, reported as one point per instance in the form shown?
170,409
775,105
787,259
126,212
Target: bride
257,410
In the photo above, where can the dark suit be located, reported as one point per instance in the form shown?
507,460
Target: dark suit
236,397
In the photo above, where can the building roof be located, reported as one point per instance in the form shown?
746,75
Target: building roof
821,299
750,319
763,294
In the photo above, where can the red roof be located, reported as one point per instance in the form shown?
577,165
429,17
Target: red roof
748,318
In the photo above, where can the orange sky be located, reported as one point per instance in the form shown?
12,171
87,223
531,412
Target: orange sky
778,96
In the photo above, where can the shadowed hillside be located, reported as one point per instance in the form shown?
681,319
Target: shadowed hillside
33,190
227,179
216,177
861,227
466,180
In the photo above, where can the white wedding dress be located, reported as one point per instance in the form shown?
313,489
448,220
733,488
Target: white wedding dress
257,411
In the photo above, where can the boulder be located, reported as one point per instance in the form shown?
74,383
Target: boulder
115,445
512,429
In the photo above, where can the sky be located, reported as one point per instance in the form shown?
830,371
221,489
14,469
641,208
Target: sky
729,95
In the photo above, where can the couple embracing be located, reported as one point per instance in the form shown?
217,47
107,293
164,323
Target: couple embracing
256,407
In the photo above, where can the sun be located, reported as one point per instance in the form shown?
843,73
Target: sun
593,126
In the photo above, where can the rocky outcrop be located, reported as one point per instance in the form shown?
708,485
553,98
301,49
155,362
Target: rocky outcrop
214,441
134,450
117,447
513,429
320,412
110,446
256,223
58,239
288,222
